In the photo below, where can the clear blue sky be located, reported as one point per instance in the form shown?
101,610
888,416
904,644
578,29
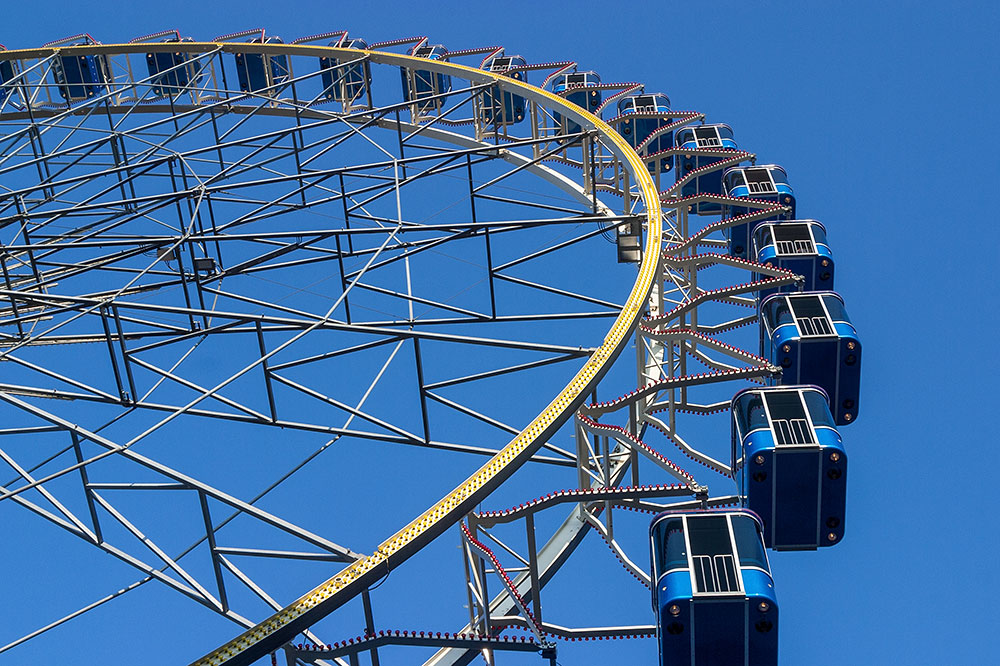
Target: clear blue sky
882,114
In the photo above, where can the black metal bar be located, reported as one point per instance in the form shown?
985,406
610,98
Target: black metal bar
529,526
10,287
486,235
210,535
86,488
267,372
125,359
111,352
347,217
343,279
421,390
370,624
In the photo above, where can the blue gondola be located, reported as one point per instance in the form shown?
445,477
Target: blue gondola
637,130
811,337
260,73
713,594
500,109
346,83
8,70
796,245
582,91
421,85
80,77
702,137
763,183
171,72
790,465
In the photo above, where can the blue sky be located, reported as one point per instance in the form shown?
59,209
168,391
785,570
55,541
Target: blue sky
879,113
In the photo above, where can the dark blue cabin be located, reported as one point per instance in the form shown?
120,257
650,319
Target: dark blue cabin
346,83
8,70
713,594
799,246
715,137
763,183
790,465
500,109
260,73
80,77
811,337
171,72
581,89
422,85
636,130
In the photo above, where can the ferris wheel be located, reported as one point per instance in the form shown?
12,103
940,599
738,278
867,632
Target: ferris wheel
283,323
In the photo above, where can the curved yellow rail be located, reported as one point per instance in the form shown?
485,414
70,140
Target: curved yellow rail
284,624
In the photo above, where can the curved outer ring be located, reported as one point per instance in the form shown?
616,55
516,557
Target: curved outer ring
316,604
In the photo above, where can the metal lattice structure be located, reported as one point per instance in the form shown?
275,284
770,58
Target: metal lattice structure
324,255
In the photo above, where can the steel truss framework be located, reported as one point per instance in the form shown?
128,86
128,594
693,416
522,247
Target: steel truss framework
264,259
